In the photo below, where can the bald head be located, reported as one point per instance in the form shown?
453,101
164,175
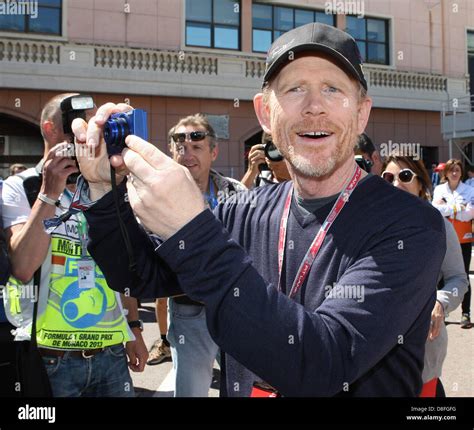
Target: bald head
51,120
52,112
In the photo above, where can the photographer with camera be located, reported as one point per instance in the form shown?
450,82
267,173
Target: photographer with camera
80,322
193,144
259,157
278,278
371,157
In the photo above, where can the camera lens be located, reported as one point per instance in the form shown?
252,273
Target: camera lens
116,130
363,163
272,152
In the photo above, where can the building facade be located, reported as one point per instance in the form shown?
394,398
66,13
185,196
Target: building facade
178,57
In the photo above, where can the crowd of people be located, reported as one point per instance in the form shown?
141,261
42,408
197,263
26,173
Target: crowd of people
314,275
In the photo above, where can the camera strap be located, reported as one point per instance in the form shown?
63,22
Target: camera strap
315,246
132,265
76,207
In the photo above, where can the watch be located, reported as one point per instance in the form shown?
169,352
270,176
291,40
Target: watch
136,324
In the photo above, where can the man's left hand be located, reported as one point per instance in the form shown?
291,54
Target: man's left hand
162,193
137,353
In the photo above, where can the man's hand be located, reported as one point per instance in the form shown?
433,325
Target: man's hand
437,318
136,352
162,193
91,151
256,157
56,169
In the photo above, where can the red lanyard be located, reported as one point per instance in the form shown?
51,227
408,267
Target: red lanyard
313,250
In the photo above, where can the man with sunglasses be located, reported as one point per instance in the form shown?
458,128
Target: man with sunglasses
193,144
279,278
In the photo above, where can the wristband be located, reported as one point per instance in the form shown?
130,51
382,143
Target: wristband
136,324
44,198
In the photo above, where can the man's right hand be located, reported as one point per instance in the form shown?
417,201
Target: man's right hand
56,169
91,151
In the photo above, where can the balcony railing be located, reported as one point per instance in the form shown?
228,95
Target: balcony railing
405,80
254,69
385,78
457,118
25,51
148,60
190,73
106,57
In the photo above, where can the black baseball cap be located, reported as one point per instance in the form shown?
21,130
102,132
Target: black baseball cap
315,37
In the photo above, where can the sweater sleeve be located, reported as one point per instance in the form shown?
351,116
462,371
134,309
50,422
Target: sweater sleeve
319,350
107,247
452,270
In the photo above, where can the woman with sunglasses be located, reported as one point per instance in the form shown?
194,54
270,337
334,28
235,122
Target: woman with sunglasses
455,201
411,176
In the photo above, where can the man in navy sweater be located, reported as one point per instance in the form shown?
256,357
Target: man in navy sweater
321,286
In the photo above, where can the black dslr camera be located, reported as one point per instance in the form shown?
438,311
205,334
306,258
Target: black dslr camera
71,108
122,124
74,107
272,152
363,163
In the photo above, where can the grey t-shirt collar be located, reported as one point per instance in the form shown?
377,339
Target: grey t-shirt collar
308,206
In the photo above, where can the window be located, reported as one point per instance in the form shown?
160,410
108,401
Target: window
213,23
270,22
371,35
42,17
470,42
470,63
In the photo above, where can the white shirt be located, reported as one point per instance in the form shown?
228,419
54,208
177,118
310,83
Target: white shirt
461,201
16,210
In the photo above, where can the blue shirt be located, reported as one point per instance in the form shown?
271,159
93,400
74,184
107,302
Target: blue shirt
470,182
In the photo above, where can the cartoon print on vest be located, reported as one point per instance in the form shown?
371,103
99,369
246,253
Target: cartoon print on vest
82,308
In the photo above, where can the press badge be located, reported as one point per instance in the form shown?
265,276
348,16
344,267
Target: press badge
86,273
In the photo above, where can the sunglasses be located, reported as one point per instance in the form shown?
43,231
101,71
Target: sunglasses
194,136
405,175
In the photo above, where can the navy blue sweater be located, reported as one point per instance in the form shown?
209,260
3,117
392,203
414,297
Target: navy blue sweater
387,243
